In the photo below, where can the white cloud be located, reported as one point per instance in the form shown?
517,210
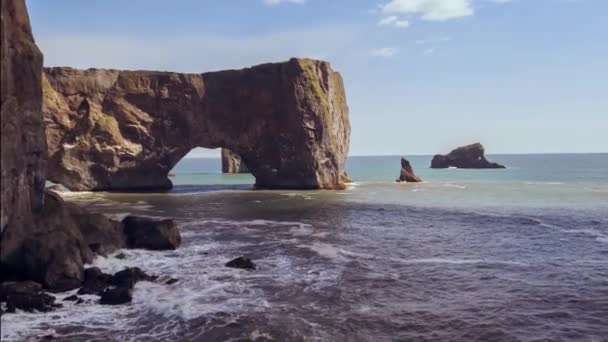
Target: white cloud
278,2
385,52
434,10
394,21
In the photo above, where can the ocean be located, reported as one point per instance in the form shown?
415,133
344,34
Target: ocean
516,254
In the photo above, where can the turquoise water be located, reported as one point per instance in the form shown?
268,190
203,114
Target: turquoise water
554,180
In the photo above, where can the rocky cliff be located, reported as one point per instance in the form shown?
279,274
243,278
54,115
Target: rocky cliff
22,138
232,162
42,238
125,130
465,157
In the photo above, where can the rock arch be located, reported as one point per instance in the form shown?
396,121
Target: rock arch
125,130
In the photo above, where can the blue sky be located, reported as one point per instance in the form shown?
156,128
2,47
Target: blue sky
422,76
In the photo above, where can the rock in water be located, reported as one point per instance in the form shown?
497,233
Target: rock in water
465,157
146,233
129,276
26,296
117,295
241,262
232,162
125,130
407,173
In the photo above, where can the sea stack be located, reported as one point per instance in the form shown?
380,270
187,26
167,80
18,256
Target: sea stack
232,162
407,173
465,157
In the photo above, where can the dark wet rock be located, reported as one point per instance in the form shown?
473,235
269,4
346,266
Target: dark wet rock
48,337
407,173
465,157
117,295
171,281
241,262
72,298
146,233
121,256
130,276
18,287
79,301
95,281
26,296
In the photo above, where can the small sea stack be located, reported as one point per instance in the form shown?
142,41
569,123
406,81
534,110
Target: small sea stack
465,157
407,173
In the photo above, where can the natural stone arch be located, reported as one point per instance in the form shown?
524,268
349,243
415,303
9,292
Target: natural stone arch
125,130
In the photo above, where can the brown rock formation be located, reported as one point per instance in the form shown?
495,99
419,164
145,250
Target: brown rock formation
407,173
465,157
232,162
23,145
125,130
42,238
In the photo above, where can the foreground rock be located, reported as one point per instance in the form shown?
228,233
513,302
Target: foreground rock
113,289
242,263
146,233
26,296
465,157
42,238
232,162
125,130
21,137
407,173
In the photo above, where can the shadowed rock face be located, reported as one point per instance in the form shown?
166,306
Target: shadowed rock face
22,138
465,157
125,130
232,162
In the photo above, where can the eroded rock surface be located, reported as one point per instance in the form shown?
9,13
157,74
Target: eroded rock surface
232,162
465,157
125,130
22,138
407,173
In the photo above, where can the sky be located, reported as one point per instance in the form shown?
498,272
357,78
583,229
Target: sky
421,76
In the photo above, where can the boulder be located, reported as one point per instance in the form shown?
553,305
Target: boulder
126,130
95,281
117,295
26,296
407,173
232,162
146,233
465,157
242,263
129,276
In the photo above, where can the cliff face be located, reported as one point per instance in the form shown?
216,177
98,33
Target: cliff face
22,137
232,162
465,157
125,130
42,238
